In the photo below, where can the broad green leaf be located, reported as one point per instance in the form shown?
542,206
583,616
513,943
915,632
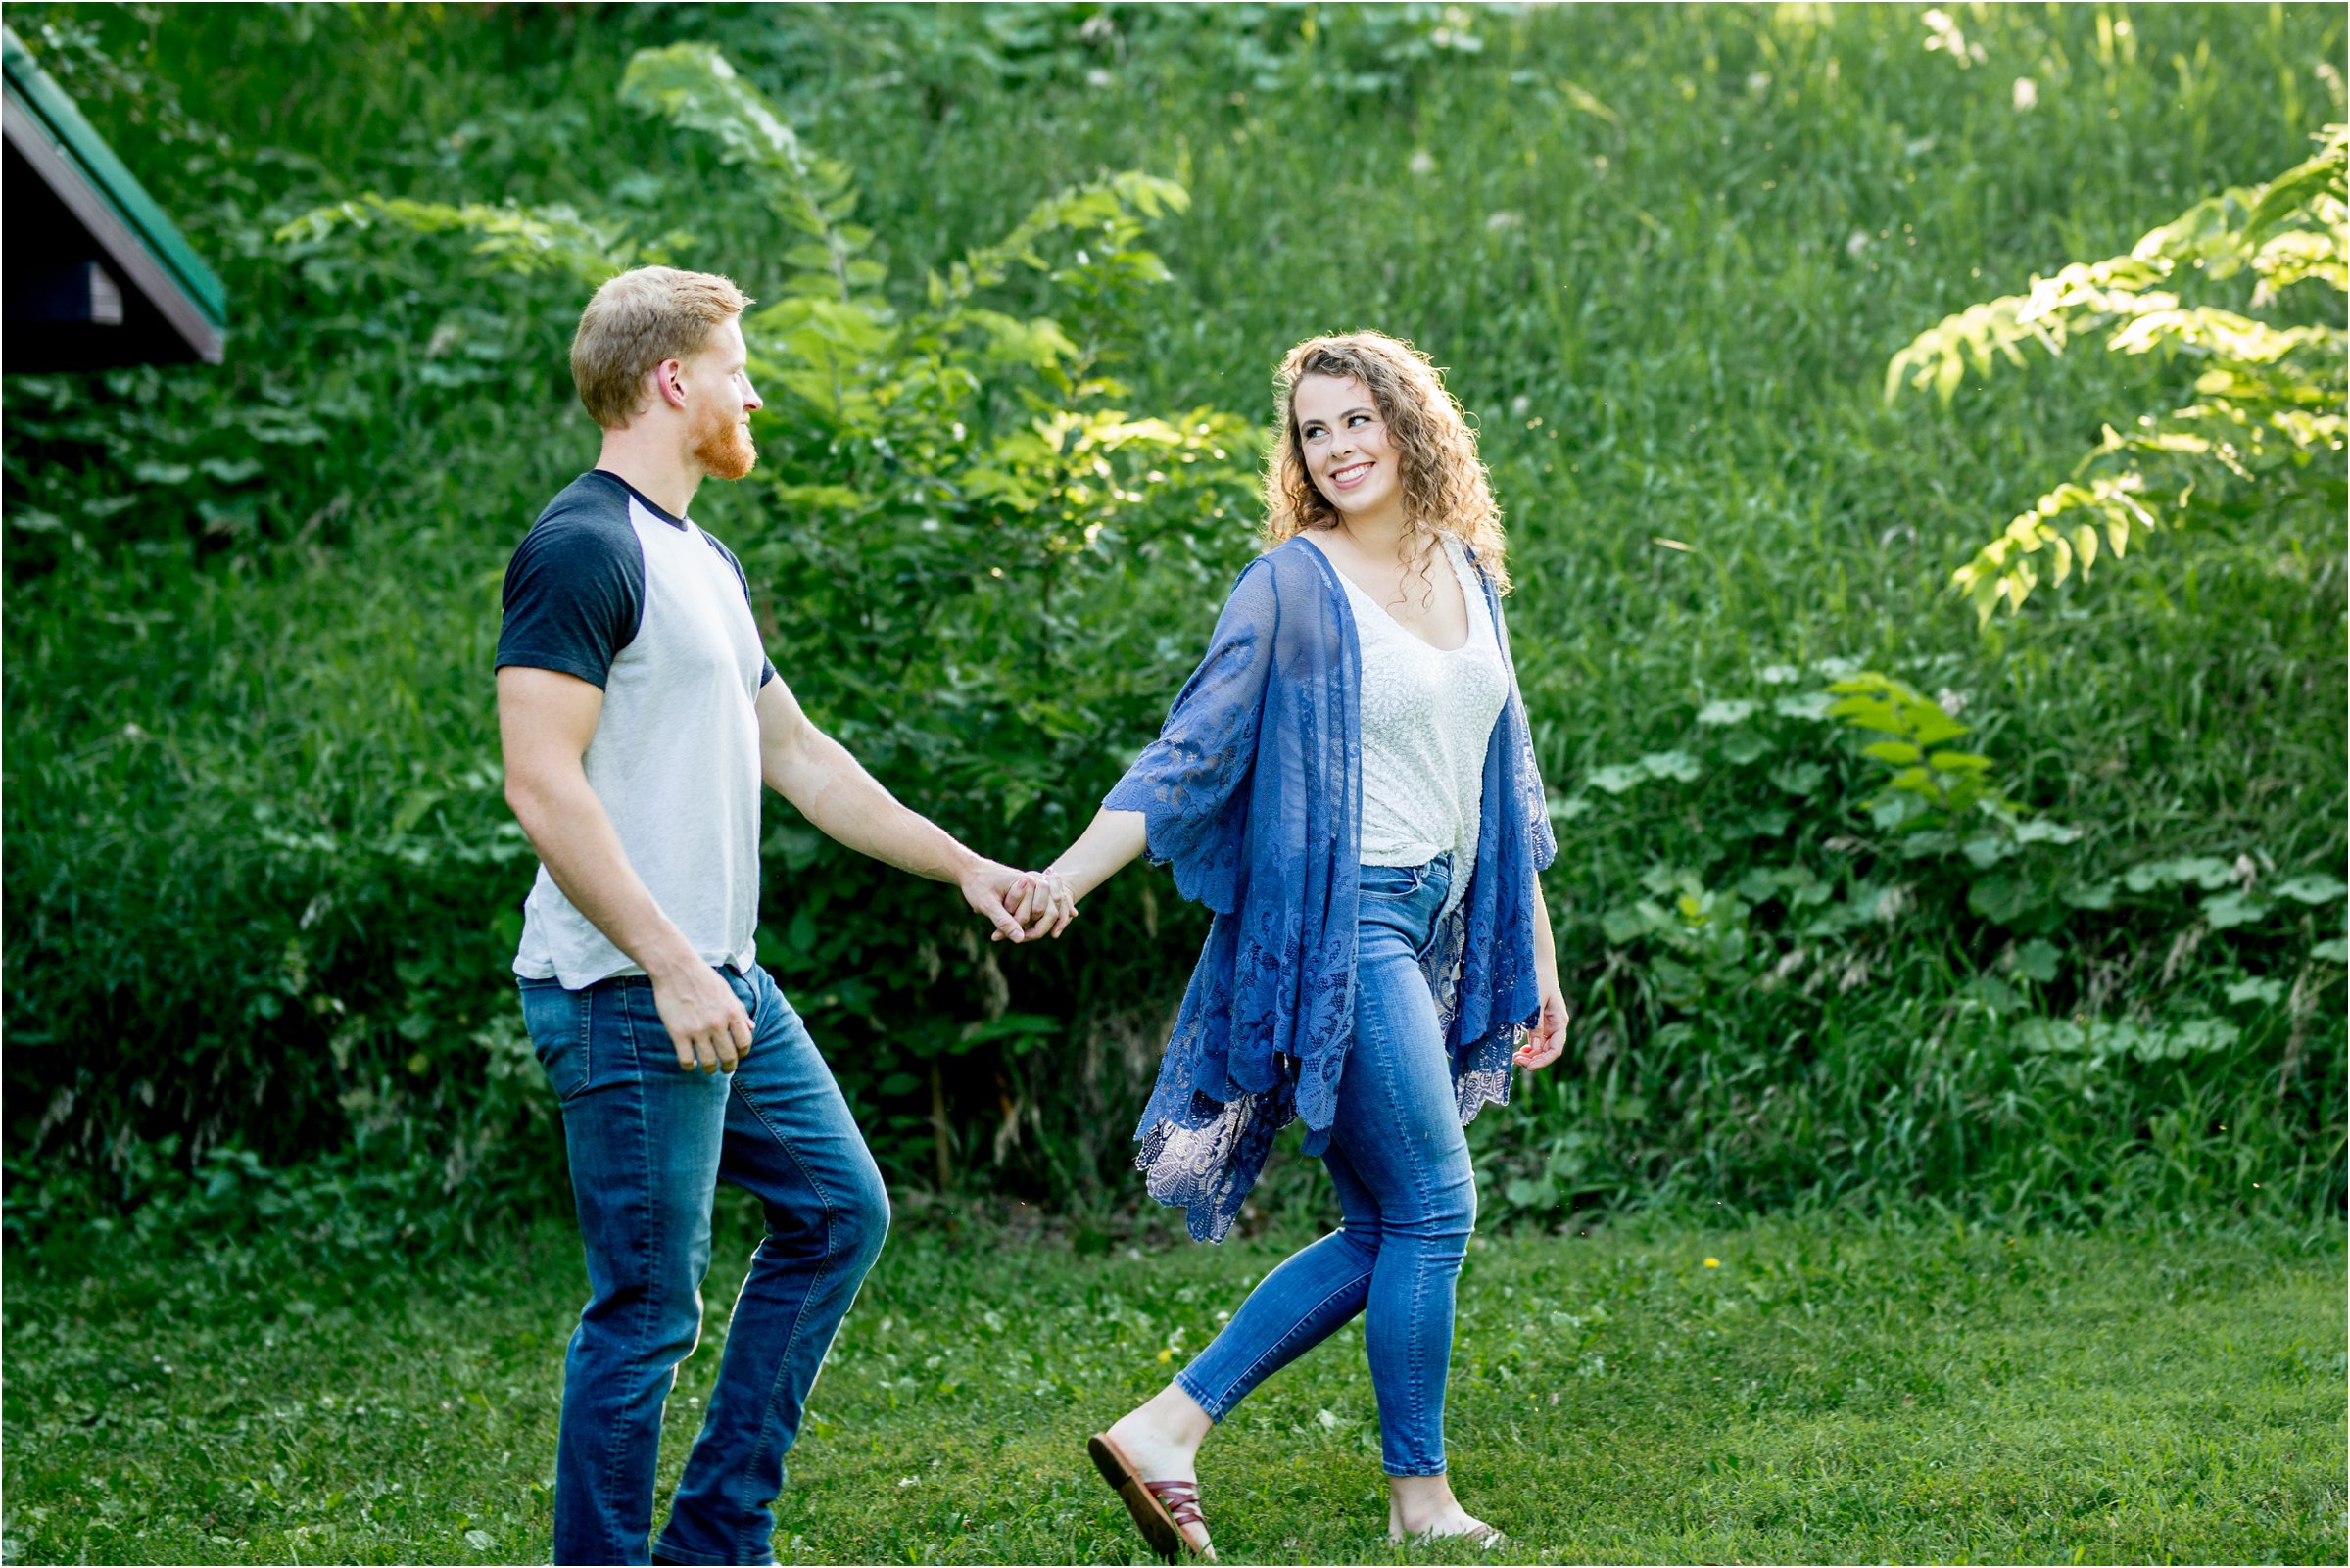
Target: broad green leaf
2309,887
2196,871
1617,779
1799,778
1987,851
2001,899
1678,765
2089,895
2232,909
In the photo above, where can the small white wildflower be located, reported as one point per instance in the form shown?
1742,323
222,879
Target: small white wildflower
1520,404
1494,222
1098,78
2026,94
1856,242
1421,162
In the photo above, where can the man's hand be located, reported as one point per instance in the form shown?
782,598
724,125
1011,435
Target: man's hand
1015,902
704,1018
1547,1037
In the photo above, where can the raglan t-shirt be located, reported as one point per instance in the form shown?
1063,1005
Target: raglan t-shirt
612,588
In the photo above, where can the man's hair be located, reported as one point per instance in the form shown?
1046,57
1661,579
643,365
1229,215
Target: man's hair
637,321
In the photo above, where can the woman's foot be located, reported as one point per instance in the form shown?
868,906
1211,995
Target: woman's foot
1422,1508
1161,1439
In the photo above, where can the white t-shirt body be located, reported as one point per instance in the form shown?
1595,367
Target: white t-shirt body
612,588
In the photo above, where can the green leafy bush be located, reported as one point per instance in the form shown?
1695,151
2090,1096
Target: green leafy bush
261,885
1762,1004
2269,395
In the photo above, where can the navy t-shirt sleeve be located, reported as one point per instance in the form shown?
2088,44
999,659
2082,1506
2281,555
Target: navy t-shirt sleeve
574,595
766,665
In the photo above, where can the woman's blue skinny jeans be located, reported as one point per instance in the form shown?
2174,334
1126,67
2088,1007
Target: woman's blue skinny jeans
1408,1198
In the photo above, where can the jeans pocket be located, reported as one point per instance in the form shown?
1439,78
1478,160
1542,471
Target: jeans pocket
1390,882
557,1020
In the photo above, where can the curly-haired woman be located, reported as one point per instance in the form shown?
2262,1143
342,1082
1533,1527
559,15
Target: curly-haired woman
1348,784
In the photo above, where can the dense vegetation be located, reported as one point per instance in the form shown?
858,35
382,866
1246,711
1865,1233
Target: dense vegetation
1023,272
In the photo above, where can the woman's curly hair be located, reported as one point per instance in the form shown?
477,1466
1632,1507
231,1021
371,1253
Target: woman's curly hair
1443,484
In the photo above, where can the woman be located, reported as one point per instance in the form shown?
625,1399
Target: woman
1348,782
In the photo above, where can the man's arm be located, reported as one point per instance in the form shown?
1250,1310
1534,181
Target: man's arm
845,802
545,721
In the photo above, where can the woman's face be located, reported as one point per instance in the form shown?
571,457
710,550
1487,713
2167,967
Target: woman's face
1344,439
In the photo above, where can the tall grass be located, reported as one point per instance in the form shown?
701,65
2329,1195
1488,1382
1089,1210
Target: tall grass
1664,252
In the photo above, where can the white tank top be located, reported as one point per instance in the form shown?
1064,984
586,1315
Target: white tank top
1427,715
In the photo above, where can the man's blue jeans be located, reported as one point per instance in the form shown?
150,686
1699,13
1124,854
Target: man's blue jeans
648,1142
1408,1198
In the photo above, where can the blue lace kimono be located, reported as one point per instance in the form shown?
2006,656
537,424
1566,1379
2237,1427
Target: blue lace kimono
1253,793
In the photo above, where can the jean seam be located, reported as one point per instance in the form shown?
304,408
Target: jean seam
587,1041
649,1303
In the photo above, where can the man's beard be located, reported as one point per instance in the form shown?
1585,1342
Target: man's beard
724,449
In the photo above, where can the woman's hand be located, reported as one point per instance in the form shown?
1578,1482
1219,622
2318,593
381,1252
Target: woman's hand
1042,902
1547,1037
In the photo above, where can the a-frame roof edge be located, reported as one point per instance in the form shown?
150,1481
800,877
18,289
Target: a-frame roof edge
50,113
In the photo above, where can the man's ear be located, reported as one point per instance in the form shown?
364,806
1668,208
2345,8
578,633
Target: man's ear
669,383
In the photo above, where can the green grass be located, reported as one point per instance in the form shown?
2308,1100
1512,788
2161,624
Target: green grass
1831,1392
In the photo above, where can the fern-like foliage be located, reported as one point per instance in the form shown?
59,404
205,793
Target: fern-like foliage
694,87
2269,398
511,238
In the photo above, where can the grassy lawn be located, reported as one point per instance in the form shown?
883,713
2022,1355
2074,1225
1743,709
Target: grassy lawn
1824,1392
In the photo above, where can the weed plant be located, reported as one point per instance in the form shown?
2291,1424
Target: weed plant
262,887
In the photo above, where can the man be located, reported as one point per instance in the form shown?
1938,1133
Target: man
639,715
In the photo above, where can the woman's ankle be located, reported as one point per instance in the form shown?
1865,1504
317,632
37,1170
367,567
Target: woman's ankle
1420,1503
1173,1413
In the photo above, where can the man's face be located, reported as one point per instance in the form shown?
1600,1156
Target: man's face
719,402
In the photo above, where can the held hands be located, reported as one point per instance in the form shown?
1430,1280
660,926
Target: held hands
1019,904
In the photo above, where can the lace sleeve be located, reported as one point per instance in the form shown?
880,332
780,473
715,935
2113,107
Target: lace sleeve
1189,783
1527,770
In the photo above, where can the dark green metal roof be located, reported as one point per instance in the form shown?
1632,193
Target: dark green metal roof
30,88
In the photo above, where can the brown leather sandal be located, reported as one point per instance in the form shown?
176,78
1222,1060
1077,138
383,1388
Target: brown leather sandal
1161,1509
